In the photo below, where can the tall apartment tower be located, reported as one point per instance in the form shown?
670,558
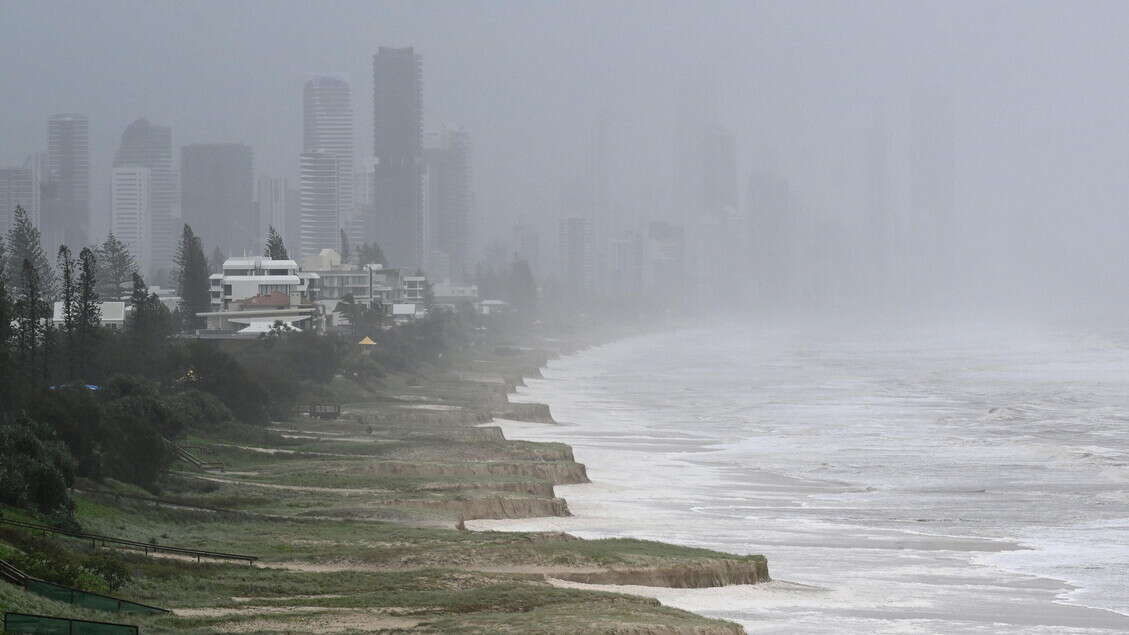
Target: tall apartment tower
327,129
398,147
18,186
150,146
65,193
271,203
577,257
216,185
719,171
320,194
131,212
446,204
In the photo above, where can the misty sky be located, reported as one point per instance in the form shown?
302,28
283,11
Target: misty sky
1026,100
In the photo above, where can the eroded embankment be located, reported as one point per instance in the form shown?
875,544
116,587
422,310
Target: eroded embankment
696,575
557,473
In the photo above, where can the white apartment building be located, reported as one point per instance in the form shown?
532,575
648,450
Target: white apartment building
246,277
255,292
131,211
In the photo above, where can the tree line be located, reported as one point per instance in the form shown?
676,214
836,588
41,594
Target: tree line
80,399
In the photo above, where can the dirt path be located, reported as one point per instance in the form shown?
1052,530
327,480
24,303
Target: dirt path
293,488
320,619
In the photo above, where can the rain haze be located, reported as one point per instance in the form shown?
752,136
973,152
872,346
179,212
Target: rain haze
835,290
991,136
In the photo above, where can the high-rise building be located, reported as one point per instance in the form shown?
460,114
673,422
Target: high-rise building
320,193
364,201
772,210
625,267
18,187
398,146
327,127
150,146
664,272
447,202
577,257
65,190
216,185
719,171
271,203
527,246
131,211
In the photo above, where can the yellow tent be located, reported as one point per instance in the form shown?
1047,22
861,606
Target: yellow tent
366,342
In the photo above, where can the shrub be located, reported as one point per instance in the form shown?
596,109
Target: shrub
35,467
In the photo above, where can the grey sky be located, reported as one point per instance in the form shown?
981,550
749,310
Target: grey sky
1030,95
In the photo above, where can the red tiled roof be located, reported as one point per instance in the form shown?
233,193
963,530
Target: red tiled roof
275,298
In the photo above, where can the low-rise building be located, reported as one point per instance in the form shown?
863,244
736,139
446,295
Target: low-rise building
249,276
253,293
451,296
370,285
493,307
112,314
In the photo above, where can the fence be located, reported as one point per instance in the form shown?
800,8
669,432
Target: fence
188,457
70,595
319,410
27,623
88,600
134,544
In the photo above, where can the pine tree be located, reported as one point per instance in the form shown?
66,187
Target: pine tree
148,325
140,292
370,254
522,287
29,322
24,243
192,280
67,295
215,264
88,314
115,266
344,247
7,380
275,249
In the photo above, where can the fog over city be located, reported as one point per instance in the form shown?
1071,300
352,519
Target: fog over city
927,152
796,316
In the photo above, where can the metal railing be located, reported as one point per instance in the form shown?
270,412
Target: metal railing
11,573
188,457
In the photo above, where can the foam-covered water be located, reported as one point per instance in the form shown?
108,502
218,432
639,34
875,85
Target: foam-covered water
898,479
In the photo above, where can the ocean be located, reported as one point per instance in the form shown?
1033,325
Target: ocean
899,478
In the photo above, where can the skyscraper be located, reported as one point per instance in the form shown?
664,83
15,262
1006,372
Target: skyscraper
719,171
65,193
271,202
149,146
527,246
17,187
447,201
397,146
327,128
131,212
577,259
217,180
320,197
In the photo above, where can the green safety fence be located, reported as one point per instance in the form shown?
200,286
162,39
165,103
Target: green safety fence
86,599
25,623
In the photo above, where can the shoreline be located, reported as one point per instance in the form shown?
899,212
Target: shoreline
589,520
700,600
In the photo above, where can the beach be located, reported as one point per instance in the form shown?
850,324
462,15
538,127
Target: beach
899,479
